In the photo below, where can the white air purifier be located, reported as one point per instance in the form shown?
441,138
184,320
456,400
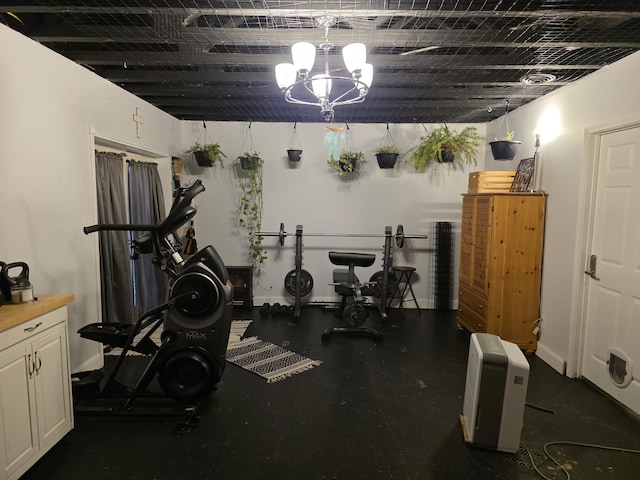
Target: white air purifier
495,393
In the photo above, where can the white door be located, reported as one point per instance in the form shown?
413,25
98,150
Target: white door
611,357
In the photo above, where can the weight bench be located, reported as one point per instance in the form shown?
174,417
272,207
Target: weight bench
353,304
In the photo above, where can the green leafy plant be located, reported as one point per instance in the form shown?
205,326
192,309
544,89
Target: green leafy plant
251,160
348,162
509,136
444,144
213,151
250,208
390,148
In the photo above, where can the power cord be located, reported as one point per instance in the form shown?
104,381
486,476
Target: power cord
568,476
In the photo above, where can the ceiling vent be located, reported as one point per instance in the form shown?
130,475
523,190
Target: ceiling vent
537,78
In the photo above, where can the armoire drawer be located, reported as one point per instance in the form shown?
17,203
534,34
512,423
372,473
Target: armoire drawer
470,319
475,302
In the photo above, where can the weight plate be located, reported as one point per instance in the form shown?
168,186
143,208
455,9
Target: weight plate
305,281
400,236
355,314
376,279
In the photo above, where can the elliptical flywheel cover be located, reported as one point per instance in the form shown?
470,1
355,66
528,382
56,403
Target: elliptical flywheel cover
205,298
187,375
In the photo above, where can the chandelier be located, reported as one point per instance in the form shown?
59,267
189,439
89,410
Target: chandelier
296,84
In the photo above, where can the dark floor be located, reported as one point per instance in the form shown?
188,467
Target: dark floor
370,411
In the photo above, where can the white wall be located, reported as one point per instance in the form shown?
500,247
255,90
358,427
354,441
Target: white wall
608,96
48,107
311,194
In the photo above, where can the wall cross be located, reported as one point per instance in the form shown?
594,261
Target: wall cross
139,121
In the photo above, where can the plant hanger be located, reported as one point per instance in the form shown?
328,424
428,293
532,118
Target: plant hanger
294,139
206,135
387,139
507,120
248,136
349,145
294,153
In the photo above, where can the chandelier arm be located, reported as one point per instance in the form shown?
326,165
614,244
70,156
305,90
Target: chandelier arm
360,87
339,101
308,85
362,92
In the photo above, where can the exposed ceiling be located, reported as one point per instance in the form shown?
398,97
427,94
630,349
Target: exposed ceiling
434,60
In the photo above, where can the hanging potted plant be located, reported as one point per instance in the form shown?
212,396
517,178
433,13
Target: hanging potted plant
250,208
207,154
348,162
444,145
250,161
293,153
506,147
387,155
387,152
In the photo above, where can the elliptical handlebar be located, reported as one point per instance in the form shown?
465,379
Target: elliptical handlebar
119,226
165,254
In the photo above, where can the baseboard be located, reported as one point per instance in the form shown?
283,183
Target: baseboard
95,362
551,358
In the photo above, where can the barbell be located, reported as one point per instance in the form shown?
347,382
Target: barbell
400,236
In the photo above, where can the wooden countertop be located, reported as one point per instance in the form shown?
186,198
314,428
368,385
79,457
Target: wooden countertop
15,314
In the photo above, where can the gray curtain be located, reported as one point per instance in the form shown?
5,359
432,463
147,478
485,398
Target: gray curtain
115,263
146,206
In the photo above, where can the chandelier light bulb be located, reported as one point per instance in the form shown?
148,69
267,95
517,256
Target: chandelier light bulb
304,56
285,74
367,74
355,56
321,85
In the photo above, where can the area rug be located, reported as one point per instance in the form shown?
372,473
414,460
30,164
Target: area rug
268,360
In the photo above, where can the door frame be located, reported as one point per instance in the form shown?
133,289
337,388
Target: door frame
586,204
97,139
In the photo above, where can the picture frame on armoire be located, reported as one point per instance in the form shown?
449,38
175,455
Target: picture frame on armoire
522,182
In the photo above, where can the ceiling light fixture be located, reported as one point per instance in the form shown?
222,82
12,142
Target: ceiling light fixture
316,90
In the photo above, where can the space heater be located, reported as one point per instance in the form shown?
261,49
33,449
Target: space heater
495,393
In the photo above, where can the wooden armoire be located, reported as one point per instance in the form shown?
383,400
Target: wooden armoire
501,264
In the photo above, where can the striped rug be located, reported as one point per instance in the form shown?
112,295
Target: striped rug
268,360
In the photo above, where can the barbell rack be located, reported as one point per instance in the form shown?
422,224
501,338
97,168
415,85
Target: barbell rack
400,236
298,272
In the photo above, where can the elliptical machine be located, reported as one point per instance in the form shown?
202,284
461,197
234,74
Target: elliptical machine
196,318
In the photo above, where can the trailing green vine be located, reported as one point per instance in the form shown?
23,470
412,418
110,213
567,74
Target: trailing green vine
250,209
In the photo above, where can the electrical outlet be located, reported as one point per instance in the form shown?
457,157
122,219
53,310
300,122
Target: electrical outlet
536,330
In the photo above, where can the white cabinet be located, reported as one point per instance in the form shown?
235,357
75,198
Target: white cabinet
35,390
